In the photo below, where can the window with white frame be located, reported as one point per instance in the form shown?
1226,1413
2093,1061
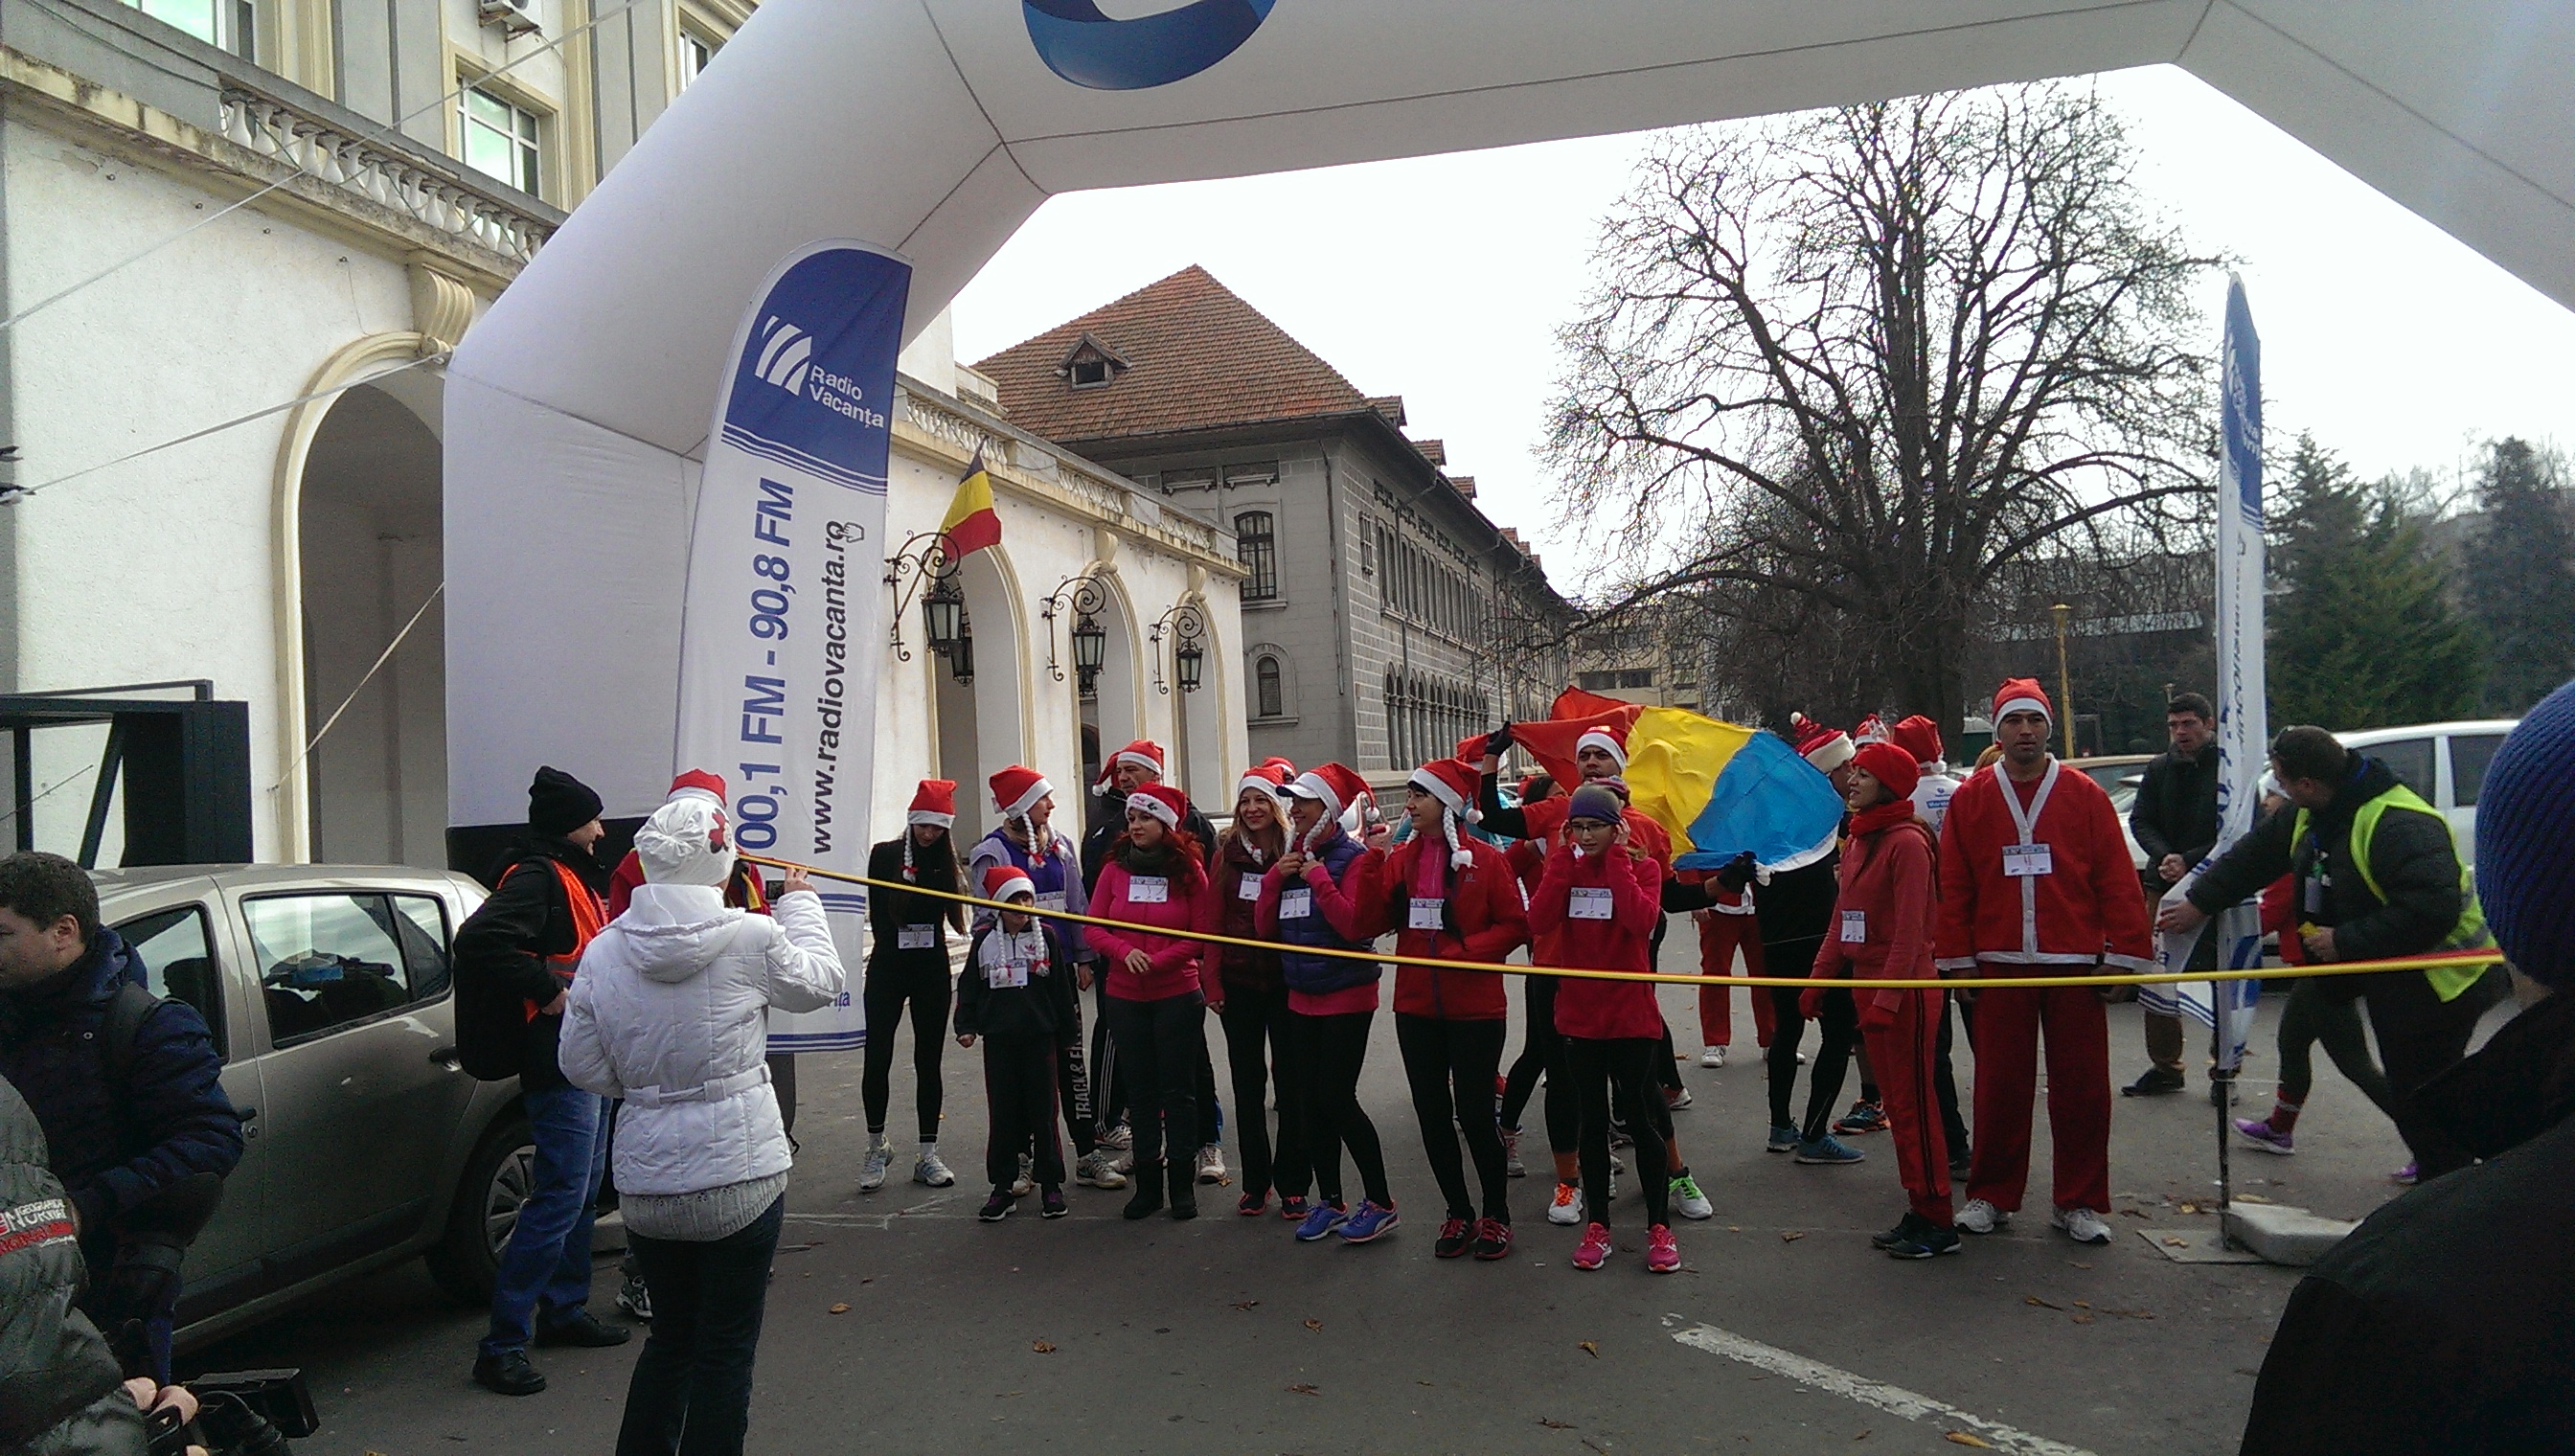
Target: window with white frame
499,139
697,51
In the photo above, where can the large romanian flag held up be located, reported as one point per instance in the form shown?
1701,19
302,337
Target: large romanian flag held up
972,523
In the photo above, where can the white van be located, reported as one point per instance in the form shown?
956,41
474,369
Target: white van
2443,761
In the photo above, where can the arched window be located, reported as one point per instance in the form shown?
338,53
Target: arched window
1268,699
1255,538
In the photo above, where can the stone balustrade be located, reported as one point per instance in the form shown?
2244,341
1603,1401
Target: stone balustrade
380,173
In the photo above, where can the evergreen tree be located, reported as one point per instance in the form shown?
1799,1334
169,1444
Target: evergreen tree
2363,636
2520,575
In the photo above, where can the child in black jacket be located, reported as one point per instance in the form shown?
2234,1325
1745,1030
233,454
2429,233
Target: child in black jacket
1017,995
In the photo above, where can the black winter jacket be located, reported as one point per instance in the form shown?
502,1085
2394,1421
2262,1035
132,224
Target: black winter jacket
889,910
501,949
1044,1009
60,1390
173,1120
2412,857
2176,809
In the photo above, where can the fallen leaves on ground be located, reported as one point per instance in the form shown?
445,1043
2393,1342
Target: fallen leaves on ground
2082,1319
1862,1436
2082,1304
2132,1313
2042,1303
2136,1213
838,1309
1591,1348
1790,1237
2188,1208
2176,1243
1961,1438
1313,1324
2078,1263
1042,1348
1245,1303
1302,1388
1556,1425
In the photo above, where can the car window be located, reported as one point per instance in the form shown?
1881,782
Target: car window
420,922
2469,755
2410,759
179,962
327,962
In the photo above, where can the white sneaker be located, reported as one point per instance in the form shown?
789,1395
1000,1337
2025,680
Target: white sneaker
1513,1168
1689,1201
1566,1209
1118,1136
872,1173
1212,1167
1026,1184
1715,1056
1676,1098
1096,1171
2081,1225
929,1170
1980,1217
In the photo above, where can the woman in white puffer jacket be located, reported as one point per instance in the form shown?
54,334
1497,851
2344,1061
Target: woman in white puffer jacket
669,1011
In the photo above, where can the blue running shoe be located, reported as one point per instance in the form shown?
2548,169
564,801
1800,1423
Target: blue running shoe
1828,1149
1325,1218
1367,1224
1783,1139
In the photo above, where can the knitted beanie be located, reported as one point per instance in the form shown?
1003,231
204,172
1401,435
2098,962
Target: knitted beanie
558,804
2525,822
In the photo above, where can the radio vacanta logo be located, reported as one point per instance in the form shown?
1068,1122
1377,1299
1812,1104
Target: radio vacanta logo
784,352
1091,49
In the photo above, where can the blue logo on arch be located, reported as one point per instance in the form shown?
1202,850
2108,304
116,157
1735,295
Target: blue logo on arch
1089,49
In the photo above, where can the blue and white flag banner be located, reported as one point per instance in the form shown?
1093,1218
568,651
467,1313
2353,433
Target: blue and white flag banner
2243,725
779,647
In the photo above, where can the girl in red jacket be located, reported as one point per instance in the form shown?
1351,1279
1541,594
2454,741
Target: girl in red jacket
1451,897
1157,1005
1598,899
1881,930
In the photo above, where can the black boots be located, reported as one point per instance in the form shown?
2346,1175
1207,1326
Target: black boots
1185,1189
1148,1197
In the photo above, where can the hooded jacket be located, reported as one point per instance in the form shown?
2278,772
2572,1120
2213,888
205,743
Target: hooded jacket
1483,917
1601,1010
60,1389
1337,917
671,1012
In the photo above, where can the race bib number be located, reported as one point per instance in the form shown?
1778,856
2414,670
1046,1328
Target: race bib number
1148,889
1588,903
917,937
1854,927
2025,862
1250,889
1051,899
1427,913
1296,905
1007,973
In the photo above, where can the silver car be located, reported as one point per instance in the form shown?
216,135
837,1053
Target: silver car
327,989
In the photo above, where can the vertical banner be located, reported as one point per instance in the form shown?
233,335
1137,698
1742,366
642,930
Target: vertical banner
2244,721
779,637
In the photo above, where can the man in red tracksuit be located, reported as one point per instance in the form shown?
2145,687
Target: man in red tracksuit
2035,881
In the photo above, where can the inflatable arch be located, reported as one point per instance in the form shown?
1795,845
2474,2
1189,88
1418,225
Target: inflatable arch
578,409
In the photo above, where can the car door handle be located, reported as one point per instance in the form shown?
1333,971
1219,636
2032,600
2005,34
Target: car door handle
446,1056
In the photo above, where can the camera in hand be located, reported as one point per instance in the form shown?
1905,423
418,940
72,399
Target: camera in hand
240,1413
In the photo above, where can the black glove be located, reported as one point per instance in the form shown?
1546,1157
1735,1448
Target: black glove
1498,742
1736,872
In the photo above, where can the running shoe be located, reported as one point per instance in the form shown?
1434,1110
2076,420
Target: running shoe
1864,1116
872,1173
1593,1251
1455,1235
2081,1225
1904,1230
1980,1217
1373,1221
1493,1238
1096,1171
1511,1164
1325,1218
1828,1150
1119,1136
1566,1208
1713,1058
1962,1161
635,1299
1662,1253
2409,1175
2155,1082
1677,1098
997,1208
1928,1240
1050,1203
1783,1138
2259,1133
1212,1167
1026,1182
1689,1201
1293,1208
930,1171
1253,1205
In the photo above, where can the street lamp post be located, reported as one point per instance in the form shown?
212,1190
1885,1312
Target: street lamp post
1084,596
2064,680
942,608
1188,630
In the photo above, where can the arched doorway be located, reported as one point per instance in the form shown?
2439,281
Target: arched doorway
976,691
371,557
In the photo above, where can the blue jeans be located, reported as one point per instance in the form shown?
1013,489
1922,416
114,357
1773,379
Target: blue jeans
544,1271
691,1391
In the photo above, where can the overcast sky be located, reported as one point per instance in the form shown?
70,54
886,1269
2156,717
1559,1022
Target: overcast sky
1442,279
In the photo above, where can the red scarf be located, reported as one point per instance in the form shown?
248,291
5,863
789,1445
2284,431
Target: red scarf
1879,818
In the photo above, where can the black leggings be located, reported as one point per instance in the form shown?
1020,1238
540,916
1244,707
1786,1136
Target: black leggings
1161,1043
1840,1023
1259,1046
1667,1072
1543,1054
1330,1052
1620,1071
1450,1065
893,984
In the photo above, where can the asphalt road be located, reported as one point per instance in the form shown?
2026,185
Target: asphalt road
1784,1333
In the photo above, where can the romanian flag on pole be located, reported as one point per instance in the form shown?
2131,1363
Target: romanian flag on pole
1723,789
972,523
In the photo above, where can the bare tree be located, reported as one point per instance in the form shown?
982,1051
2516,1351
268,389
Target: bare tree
1859,362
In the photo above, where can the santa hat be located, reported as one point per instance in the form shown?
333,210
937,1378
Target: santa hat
699,783
933,804
1000,882
1919,736
1270,778
1454,782
1335,786
1602,736
1891,765
1144,753
1016,790
1824,746
2022,695
1871,730
1163,801
684,843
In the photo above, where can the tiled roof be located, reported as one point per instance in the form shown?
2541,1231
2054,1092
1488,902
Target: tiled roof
1198,358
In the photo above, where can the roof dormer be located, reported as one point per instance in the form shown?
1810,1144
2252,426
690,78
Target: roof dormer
1092,364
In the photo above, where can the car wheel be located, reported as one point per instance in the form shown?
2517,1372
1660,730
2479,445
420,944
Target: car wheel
467,1260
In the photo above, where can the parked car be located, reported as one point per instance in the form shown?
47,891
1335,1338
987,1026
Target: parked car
2443,761
2119,774
327,989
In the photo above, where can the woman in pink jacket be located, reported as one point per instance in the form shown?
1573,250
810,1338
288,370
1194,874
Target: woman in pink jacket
1156,882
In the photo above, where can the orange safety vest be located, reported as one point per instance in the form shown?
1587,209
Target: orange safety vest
589,917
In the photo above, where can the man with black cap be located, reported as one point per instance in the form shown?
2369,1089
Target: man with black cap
515,960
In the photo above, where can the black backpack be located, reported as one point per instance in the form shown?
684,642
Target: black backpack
491,1023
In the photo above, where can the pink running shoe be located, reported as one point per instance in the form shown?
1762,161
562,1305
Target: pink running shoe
1594,1251
2409,1175
2258,1132
1662,1255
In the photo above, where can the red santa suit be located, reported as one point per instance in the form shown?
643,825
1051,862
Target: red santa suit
1726,926
2035,881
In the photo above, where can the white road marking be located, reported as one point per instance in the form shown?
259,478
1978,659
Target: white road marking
1894,1400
